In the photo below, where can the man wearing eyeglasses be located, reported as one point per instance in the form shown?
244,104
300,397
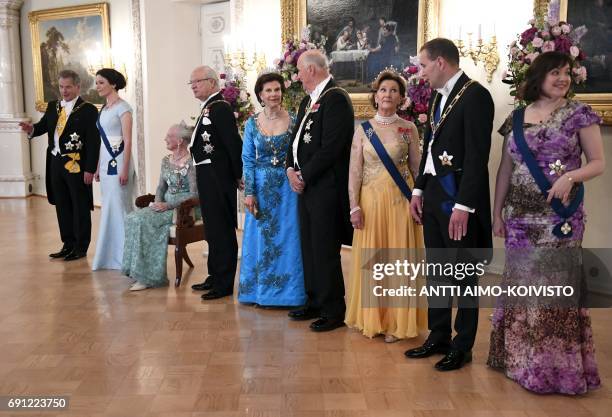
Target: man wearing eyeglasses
216,149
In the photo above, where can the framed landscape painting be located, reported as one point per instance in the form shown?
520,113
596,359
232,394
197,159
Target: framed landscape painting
62,39
362,37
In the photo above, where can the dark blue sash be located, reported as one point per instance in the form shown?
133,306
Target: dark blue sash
386,160
447,182
112,164
563,229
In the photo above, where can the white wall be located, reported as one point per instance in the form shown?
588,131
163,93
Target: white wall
121,38
508,22
171,49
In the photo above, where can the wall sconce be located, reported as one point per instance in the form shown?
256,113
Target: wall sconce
237,56
485,52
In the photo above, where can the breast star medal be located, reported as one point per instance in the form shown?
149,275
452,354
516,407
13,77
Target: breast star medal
208,148
446,159
206,137
307,137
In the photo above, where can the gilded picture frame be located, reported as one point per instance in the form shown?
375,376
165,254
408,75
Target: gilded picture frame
294,18
61,38
600,101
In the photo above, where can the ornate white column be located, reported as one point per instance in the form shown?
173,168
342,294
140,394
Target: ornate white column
15,171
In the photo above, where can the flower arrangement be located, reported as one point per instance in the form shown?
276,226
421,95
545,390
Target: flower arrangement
418,94
235,93
287,65
550,35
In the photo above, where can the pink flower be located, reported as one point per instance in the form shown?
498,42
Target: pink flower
222,76
548,46
530,57
545,34
420,108
537,42
422,118
556,31
566,29
294,77
288,58
514,50
287,83
276,62
580,74
574,51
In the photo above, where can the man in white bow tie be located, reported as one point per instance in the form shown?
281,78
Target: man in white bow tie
216,149
72,160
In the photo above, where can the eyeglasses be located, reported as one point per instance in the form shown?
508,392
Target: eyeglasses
197,81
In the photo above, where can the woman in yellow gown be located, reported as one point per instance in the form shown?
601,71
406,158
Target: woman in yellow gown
380,213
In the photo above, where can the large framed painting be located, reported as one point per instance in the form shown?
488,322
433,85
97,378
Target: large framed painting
62,39
596,15
363,36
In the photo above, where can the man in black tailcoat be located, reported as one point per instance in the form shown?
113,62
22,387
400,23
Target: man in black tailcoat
317,168
451,196
216,148
72,160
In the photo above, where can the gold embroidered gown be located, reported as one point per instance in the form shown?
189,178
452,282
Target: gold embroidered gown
387,224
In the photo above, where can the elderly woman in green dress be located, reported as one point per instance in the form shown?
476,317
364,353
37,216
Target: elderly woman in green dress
147,230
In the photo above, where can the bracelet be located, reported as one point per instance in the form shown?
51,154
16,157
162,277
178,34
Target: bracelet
570,179
354,210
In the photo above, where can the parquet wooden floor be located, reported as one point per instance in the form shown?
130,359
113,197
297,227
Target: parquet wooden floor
165,353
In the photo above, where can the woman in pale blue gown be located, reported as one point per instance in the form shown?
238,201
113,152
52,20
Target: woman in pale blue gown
147,230
271,272
115,169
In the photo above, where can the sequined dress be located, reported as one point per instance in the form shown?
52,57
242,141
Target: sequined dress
546,349
387,224
146,231
271,271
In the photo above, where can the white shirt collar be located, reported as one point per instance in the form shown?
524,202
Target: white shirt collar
205,102
316,93
450,84
70,103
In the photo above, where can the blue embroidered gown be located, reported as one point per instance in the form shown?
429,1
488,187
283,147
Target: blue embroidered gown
271,271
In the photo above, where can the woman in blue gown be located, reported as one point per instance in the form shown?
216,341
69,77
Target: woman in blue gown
271,272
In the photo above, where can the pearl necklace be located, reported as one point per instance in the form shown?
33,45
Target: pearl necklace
386,120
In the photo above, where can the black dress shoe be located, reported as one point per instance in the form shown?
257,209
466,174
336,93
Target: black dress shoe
203,286
74,255
303,314
427,350
214,294
454,359
325,325
61,254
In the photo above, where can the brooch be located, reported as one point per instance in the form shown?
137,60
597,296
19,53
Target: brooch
446,159
556,168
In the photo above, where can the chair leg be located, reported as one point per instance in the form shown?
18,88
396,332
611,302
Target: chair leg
186,258
178,261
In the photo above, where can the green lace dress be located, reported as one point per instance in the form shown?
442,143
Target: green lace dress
147,231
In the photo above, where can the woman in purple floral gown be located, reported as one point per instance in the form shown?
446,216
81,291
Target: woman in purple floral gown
545,348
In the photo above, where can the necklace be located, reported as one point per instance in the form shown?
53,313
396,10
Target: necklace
386,120
543,115
269,117
270,142
175,159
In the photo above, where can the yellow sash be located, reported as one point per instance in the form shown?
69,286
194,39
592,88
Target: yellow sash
72,166
61,122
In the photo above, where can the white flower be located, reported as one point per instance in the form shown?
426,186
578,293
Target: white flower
287,83
532,22
221,83
566,29
243,95
574,51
